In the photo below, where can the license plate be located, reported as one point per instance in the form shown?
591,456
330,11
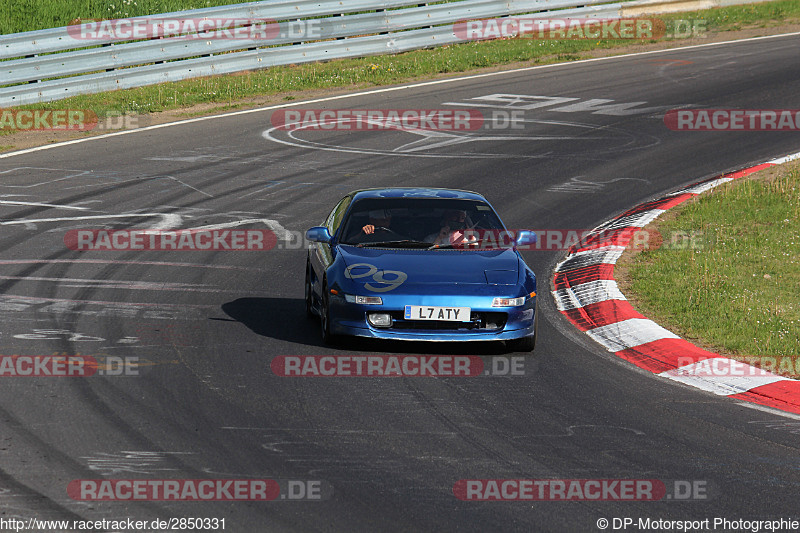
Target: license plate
446,314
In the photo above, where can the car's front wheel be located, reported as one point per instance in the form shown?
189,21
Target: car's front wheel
309,292
523,344
526,344
325,316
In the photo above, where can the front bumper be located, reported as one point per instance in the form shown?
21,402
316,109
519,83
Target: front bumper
487,324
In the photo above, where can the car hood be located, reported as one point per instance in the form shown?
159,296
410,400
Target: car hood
485,267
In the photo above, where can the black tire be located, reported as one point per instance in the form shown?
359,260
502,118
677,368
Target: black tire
309,293
526,344
325,318
523,344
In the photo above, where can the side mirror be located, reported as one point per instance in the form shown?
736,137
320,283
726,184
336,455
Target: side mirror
525,238
319,234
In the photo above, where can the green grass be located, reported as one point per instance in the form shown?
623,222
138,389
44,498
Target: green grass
345,73
741,293
26,15
736,17
284,82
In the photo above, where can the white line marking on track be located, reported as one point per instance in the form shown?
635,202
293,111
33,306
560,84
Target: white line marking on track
785,159
700,189
167,219
189,186
301,143
770,410
37,204
391,89
35,300
131,285
136,462
577,184
429,140
281,232
109,283
115,262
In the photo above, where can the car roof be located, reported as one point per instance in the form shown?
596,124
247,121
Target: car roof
416,192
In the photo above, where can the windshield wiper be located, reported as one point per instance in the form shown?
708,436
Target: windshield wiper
397,244
465,245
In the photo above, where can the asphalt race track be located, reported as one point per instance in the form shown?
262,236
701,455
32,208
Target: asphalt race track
205,326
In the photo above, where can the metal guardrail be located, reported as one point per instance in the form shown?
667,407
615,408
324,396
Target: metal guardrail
344,28
155,50
59,39
103,64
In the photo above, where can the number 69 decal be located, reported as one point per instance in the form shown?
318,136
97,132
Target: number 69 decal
377,276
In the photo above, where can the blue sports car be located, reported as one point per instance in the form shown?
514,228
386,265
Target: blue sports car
420,264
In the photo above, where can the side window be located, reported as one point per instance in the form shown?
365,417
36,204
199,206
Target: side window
335,218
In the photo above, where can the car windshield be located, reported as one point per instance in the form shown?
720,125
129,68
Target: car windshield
420,223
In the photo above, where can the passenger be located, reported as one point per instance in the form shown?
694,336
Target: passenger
454,229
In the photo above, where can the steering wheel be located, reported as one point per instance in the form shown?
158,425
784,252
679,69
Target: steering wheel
381,233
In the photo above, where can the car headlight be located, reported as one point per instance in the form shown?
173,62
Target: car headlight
508,302
363,300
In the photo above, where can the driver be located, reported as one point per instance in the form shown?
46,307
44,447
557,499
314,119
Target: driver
379,221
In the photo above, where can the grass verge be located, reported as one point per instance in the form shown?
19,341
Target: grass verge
281,82
27,15
735,293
